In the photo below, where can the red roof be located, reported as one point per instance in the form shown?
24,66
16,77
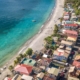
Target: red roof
71,25
66,13
76,63
23,69
71,32
47,78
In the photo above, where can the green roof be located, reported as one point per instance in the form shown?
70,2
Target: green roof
30,62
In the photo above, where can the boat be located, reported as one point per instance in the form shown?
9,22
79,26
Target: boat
33,20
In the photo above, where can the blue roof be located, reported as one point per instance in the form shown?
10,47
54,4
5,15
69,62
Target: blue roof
69,22
59,58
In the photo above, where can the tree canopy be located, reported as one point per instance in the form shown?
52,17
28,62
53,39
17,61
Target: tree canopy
49,40
29,51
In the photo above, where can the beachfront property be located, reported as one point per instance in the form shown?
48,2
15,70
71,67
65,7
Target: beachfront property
28,61
66,16
67,22
71,26
23,69
53,63
70,33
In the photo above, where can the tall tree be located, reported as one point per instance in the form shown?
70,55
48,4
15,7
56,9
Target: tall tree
29,51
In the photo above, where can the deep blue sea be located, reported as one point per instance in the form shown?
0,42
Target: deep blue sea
16,25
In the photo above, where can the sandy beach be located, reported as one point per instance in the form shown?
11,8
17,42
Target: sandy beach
36,43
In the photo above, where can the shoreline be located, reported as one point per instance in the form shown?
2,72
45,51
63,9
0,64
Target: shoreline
25,46
36,42
27,43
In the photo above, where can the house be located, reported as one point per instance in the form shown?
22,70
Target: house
67,43
77,57
61,55
44,62
28,61
73,73
26,77
23,69
72,78
70,33
49,78
71,26
71,69
73,17
67,22
40,75
53,71
76,61
76,22
7,78
22,77
66,17
72,39
17,77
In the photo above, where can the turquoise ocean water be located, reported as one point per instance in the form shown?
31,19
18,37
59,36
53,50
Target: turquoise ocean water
16,26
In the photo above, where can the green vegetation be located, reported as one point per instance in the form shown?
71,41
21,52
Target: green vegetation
11,67
75,4
49,40
55,29
15,62
29,51
21,55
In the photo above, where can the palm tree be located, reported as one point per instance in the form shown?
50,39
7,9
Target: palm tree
11,67
18,59
21,55
15,62
29,51
24,55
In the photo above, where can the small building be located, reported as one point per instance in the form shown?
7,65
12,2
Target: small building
23,69
72,78
77,57
67,43
40,75
71,33
53,71
26,77
61,55
67,22
66,17
73,17
76,63
7,78
66,14
72,39
73,73
28,61
71,69
49,78
71,26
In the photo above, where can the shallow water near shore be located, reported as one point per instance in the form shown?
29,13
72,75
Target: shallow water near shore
16,25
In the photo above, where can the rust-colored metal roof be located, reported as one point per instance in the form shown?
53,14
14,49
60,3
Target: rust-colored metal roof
71,32
23,69
71,25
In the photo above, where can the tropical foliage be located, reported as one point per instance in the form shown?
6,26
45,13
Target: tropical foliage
11,67
29,51
49,40
75,5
